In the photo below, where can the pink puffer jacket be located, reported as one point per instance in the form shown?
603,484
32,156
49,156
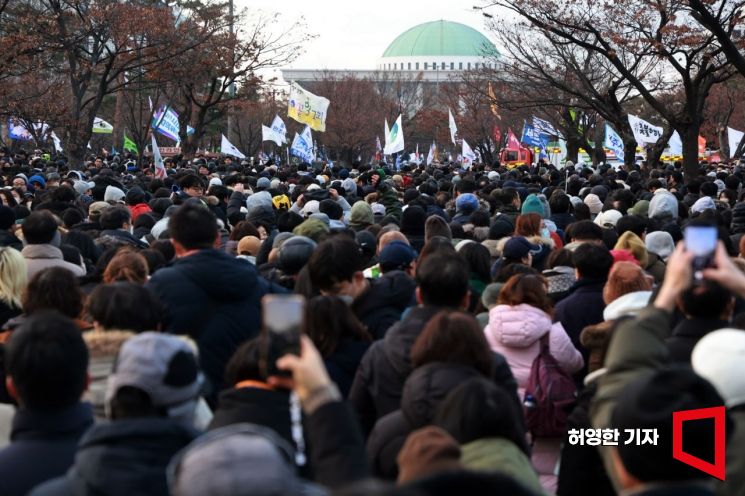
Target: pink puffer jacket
515,331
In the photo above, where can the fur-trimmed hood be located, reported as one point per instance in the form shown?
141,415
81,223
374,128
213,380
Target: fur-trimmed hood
105,344
536,240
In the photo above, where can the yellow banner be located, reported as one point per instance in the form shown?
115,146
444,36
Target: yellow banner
307,108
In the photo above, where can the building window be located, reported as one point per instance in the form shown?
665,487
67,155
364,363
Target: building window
476,65
434,66
452,65
460,66
426,66
408,66
417,65
443,66
469,66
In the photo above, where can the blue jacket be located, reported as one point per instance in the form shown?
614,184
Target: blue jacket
216,300
42,447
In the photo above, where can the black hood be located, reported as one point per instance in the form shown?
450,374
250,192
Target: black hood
127,457
393,289
427,386
222,277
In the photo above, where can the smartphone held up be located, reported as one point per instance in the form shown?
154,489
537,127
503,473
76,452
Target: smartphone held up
701,241
283,317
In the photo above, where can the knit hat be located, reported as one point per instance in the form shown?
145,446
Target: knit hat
81,187
640,208
501,227
113,194
314,229
412,220
632,242
660,243
600,190
467,203
361,214
263,183
135,196
215,463
594,203
702,204
249,245
295,253
427,451
717,358
163,366
533,205
609,218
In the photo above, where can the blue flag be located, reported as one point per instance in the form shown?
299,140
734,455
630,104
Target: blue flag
533,137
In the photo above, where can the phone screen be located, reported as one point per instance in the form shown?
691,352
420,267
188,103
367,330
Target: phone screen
283,318
701,241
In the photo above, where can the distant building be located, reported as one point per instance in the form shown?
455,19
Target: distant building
432,52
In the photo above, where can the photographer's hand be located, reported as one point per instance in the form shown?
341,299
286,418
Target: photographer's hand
726,272
678,278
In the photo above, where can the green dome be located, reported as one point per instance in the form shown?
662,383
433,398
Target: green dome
439,38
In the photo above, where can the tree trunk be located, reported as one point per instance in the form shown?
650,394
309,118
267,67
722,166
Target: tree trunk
689,136
629,151
654,152
572,149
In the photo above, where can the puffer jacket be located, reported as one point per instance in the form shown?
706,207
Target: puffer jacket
515,332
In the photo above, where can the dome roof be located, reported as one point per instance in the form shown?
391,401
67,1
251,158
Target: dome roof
439,38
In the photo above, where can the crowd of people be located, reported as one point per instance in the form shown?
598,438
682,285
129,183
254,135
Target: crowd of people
462,328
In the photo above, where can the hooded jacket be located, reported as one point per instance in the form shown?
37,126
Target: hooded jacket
663,204
44,256
384,301
425,388
515,332
122,458
215,299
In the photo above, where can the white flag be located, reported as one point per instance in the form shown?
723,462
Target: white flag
644,132
278,126
734,137
395,140
100,126
160,166
227,148
302,145
387,132
452,126
268,134
431,154
468,155
614,142
57,142
675,144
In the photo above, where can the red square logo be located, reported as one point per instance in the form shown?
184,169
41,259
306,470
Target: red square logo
716,469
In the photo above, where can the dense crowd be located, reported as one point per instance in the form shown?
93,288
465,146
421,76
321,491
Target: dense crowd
461,327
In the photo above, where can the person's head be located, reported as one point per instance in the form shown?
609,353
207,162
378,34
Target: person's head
192,185
634,223
389,237
648,403
517,249
717,357
154,375
528,225
436,226
584,231
335,267
708,300
127,265
116,217
193,227
40,228
13,276
509,196
245,364
453,337
479,409
592,261
559,203
624,278
442,281
328,320
110,306
526,289
227,451
560,258
46,363
479,260
397,255
55,288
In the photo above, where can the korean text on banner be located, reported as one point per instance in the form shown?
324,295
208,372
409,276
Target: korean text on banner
644,132
307,108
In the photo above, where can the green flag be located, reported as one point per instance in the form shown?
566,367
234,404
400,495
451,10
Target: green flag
130,145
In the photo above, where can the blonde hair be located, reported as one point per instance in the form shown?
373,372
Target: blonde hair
13,276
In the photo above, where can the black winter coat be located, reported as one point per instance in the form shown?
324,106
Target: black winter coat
342,364
122,458
378,384
42,447
9,239
687,333
425,388
216,300
384,301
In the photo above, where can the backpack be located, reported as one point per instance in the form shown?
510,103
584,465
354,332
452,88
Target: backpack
550,395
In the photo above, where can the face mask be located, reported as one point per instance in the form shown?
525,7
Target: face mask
346,299
545,233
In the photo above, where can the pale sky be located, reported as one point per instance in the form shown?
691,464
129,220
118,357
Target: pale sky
354,34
